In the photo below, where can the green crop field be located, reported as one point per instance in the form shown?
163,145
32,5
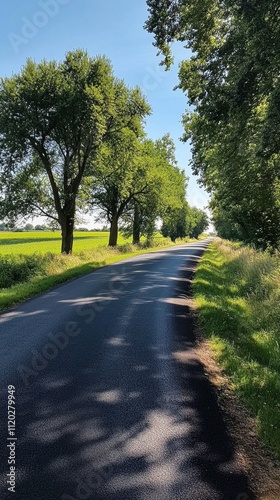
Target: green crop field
28,243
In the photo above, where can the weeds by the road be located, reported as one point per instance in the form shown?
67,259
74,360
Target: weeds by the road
237,292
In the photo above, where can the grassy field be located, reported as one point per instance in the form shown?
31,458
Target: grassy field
44,242
237,291
31,262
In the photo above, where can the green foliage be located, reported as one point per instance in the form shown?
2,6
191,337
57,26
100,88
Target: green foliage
225,226
184,221
54,118
197,222
237,291
137,180
175,223
18,270
118,169
232,83
164,191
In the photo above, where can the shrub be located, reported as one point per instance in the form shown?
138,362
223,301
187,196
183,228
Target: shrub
19,269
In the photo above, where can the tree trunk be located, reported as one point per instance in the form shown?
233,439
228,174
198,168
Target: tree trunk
136,226
113,231
67,233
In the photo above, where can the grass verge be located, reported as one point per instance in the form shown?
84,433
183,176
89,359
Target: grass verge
23,276
237,293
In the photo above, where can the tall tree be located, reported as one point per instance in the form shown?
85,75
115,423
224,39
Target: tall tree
197,221
119,178
184,221
175,223
165,189
54,117
118,166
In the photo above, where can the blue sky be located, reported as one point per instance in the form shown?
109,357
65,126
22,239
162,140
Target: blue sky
49,28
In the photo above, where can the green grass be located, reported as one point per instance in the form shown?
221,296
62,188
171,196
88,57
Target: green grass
31,263
237,292
44,242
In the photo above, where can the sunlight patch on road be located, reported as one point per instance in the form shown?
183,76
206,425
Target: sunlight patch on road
178,301
109,396
87,300
19,314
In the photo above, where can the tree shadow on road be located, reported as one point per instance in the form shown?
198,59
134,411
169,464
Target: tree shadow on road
115,415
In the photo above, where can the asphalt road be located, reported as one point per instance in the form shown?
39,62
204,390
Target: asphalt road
111,401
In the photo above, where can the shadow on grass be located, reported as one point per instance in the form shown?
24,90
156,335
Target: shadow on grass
40,239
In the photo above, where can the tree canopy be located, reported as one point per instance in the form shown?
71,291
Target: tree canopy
232,82
184,221
165,189
136,180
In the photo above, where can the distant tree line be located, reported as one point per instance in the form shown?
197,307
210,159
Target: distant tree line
26,227
73,141
184,221
232,82
43,227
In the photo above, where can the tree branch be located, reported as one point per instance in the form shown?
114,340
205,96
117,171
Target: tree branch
42,212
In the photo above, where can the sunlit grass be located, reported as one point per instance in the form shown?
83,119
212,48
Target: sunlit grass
28,243
237,292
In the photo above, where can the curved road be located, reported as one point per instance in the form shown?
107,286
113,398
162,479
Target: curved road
111,402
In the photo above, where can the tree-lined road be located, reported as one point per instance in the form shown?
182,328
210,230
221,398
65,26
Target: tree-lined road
107,405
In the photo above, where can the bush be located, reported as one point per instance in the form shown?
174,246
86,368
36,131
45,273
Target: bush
19,269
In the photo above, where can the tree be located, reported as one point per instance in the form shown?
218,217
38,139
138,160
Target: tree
28,227
165,189
184,221
138,221
119,178
53,226
175,223
117,167
225,226
232,83
114,181
53,118
198,222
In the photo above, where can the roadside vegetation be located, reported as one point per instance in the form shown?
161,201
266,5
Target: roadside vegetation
237,292
30,263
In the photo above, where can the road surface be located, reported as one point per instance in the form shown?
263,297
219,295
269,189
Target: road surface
111,402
